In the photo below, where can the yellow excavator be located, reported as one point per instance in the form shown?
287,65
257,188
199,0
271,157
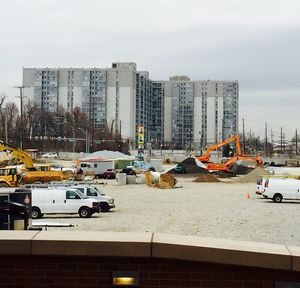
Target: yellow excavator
11,177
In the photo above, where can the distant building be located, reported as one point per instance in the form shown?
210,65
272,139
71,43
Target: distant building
179,112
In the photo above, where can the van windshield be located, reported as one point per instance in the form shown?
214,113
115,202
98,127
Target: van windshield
101,193
81,194
91,192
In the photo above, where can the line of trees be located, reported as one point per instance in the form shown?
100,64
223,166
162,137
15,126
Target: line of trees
54,131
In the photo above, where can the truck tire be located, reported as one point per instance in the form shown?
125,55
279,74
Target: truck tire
84,212
4,185
277,198
104,207
35,213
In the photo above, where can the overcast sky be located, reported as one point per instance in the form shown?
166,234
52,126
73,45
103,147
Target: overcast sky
256,42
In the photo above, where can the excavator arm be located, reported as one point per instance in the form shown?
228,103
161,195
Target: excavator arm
19,154
206,157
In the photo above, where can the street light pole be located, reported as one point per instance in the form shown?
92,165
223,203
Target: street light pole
86,132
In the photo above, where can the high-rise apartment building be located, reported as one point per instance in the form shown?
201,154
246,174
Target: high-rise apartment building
179,112
199,112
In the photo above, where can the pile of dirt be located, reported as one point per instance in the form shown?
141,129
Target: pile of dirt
241,169
206,178
253,175
223,174
190,167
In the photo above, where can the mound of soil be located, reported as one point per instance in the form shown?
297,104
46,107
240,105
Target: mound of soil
241,169
222,174
190,167
253,175
206,178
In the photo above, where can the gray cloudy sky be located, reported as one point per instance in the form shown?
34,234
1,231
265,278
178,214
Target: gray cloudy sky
253,41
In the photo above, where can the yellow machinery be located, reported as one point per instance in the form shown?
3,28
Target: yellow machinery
227,166
9,176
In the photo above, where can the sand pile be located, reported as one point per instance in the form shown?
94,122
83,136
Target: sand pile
190,167
253,175
241,169
206,178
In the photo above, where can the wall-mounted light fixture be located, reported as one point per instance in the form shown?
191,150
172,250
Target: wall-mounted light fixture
125,278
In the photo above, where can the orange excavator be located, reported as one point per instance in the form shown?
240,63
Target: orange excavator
229,164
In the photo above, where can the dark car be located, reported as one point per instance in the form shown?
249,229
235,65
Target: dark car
109,174
128,171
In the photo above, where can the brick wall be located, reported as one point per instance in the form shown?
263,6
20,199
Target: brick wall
92,272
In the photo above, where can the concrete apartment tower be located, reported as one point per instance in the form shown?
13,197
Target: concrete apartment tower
199,113
106,95
179,113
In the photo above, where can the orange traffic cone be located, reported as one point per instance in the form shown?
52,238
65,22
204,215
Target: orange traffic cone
248,195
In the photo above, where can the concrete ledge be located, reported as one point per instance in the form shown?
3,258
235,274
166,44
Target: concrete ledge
16,242
119,244
255,254
92,244
295,251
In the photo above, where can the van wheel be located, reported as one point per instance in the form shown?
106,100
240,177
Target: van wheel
84,212
104,207
3,184
36,213
277,198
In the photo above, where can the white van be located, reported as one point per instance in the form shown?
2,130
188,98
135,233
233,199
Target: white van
62,200
279,189
106,202
260,185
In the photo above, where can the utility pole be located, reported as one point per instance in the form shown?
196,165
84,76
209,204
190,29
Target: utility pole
244,144
266,144
6,132
281,140
272,135
296,142
21,112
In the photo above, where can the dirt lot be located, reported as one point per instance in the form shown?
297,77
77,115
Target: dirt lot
219,210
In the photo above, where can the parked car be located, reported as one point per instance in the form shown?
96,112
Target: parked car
282,189
128,171
50,155
109,174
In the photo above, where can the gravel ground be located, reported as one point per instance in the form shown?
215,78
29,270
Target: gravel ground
218,210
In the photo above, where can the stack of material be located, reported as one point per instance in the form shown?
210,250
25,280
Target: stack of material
206,178
130,179
140,179
166,181
190,166
148,179
121,178
253,175
241,169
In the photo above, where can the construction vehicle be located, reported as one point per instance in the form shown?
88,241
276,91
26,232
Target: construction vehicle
229,164
10,177
205,158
